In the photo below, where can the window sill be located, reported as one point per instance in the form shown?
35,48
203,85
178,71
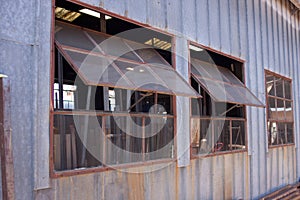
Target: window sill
81,171
280,145
217,154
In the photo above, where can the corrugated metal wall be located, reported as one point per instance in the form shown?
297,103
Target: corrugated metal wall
266,36
262,32
25,27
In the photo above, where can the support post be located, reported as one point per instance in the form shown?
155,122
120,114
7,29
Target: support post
6,152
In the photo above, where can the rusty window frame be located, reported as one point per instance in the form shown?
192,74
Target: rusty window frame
214,150
159,71
223,80
275,119
54,173
60,117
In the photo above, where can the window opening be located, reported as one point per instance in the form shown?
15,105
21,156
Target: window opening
218,119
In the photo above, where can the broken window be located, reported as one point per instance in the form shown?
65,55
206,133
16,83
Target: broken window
280,119
113,97
218,119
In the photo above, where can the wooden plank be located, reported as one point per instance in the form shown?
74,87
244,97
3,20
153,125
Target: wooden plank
6,152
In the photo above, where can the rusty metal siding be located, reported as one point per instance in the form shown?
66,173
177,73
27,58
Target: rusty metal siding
213,177
21,115
263,33
159,184
25,58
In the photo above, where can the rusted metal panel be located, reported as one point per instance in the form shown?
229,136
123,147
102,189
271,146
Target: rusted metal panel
204,179
228,177
238,175
257,32
243,37
201,180
286,163
273,167
280,167
218,177
155,186
7,166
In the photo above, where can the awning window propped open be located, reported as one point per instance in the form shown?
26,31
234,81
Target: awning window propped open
222,84
104,60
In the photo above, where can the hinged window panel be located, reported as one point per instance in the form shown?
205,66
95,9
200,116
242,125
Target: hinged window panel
222,84
118,63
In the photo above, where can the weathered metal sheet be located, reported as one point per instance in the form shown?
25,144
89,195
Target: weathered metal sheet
156,13
174,15
260,54
225,28
202,21
264,33
213,24
243,29
189,27
259,32
137,10
251,82
40,92
204,179
114,6
21,113
234,28
12,26
228,177
7,166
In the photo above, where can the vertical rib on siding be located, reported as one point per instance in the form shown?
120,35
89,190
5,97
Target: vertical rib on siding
233,24
214,30
203,29
224,28
188,25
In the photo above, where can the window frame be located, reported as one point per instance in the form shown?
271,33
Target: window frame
217,153
291,100
78,171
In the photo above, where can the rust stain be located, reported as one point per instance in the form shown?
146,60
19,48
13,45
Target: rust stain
246,173
177,183
193,168
136,186
228,176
